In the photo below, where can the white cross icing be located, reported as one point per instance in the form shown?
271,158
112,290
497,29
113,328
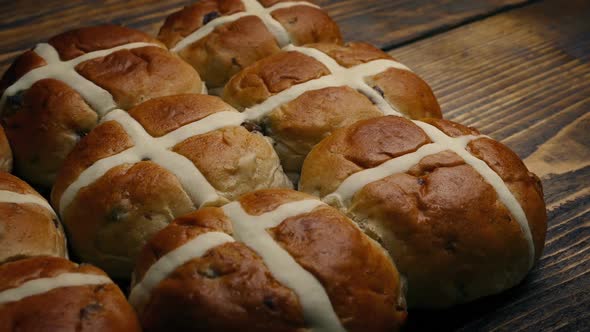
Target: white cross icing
98,98
44,285
7,196
252,8
441,142
353,77
168,263
252,231
157,150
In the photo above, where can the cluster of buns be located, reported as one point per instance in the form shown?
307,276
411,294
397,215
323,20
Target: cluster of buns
172,163
56,93
40,289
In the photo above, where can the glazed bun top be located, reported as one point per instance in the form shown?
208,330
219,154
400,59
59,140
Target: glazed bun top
5,152
138,170
110,66
302,94
275,260
54,294
214,157
466,209
220,37
29,226
281,78
56,93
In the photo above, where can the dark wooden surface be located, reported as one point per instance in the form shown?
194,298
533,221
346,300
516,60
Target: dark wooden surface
385,23
517,70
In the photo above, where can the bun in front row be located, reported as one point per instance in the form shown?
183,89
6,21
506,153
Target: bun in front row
220,37
28,226
459,212
54,294
275,260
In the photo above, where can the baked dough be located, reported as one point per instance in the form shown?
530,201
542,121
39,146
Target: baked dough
459,212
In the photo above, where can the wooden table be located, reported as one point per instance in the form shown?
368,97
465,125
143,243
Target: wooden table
517,70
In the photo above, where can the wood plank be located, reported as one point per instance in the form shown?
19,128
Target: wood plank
393,22
384,23
524,77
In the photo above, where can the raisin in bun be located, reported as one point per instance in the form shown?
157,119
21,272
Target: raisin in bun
275,260
459,212
303,93
54,294
5,152
137,171
57,92
220,37
28,226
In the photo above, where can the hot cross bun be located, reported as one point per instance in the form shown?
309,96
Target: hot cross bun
57,92
54,294
275,260
459,212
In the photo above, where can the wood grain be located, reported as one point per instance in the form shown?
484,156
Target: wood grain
384,23
524,77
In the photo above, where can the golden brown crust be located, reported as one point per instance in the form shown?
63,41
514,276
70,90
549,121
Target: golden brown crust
441,218
183,22
45,128
268,3
297,125
182,230
111,219
14,274
75,43
12,183
5,152
407,93
234,161
228,281
362,283
262,201
27,229
307,25
160,116
230,288
450,128
525,185
45,121
354,148
228,49
103,141
80,308
403,89
235,45
137,75
269,76
26,62
352,53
